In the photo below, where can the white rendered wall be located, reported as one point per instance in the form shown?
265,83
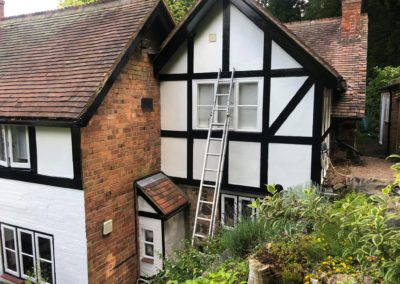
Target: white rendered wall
145,223
208,55
300,121
56,211
289,165
52,161
174,105
281,59
246,42
144,206
244,163
199,149
174,156
175,233
178,62
282,91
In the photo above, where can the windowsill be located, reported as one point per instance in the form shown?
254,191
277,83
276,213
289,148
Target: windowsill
148,260
10,279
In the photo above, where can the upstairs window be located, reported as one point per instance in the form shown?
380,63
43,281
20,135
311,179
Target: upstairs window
14,146
245,104
149,244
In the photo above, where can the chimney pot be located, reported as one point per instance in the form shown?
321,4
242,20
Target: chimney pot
351,19
2,9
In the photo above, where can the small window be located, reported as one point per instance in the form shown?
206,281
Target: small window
149,243
27,254
14,146
245,104
229,210
245,211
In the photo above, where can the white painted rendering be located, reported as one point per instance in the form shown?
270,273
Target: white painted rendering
244,173
289,165
54,152
385,109
174,156
208,55
327,110
282,91
199,148
174,229
174,105
145,223
300,121
281,59
56,211
178,62
246,42
144,206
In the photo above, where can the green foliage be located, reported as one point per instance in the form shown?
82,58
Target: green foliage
316,9
231,272
247,235
179,8
380,77
285,10
69,3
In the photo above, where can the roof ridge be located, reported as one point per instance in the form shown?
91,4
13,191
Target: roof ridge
313,20
64,9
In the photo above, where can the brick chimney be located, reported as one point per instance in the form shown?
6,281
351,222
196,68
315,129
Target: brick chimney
351,19
2,9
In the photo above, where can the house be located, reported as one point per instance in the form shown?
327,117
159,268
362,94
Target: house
103,117
389,134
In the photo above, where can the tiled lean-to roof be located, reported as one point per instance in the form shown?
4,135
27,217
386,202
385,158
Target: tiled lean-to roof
348,57
53,64
162,193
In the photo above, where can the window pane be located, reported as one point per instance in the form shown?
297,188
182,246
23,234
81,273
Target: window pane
246,210
148,236
224,89
2,145
46,271
19,144
27,265
229,213
203,115
206,94
222,115
9,238
11,260
247,118
26,243
248,94
149,250
44,248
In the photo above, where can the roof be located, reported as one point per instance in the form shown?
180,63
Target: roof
349,58
54,64
162,193
394,86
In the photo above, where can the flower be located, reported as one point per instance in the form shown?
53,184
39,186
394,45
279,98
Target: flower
343,264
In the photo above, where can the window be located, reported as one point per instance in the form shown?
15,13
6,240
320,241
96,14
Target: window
246,104
234,208
27,253
148,243
14,146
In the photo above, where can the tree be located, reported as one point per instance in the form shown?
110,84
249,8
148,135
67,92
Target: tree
316,9
69,3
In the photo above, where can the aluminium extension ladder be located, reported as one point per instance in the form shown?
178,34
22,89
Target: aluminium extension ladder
206,210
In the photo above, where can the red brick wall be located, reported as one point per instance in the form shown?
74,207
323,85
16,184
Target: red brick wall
120,145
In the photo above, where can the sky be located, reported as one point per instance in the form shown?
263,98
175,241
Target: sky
17,7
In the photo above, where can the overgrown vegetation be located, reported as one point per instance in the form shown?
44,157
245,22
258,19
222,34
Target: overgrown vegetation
304,237
380,77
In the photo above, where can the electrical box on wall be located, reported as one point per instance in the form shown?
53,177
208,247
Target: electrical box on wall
107,227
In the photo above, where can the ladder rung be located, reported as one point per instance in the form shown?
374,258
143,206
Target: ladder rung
211,170
222,95
221,109
214,154
204,219
216,139
209,185
206,202
217,124
200,236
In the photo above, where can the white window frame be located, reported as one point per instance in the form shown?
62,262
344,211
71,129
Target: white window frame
235,209
3,134
235,123
10,150
253,210
21,254
39,275
145,242
15,251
